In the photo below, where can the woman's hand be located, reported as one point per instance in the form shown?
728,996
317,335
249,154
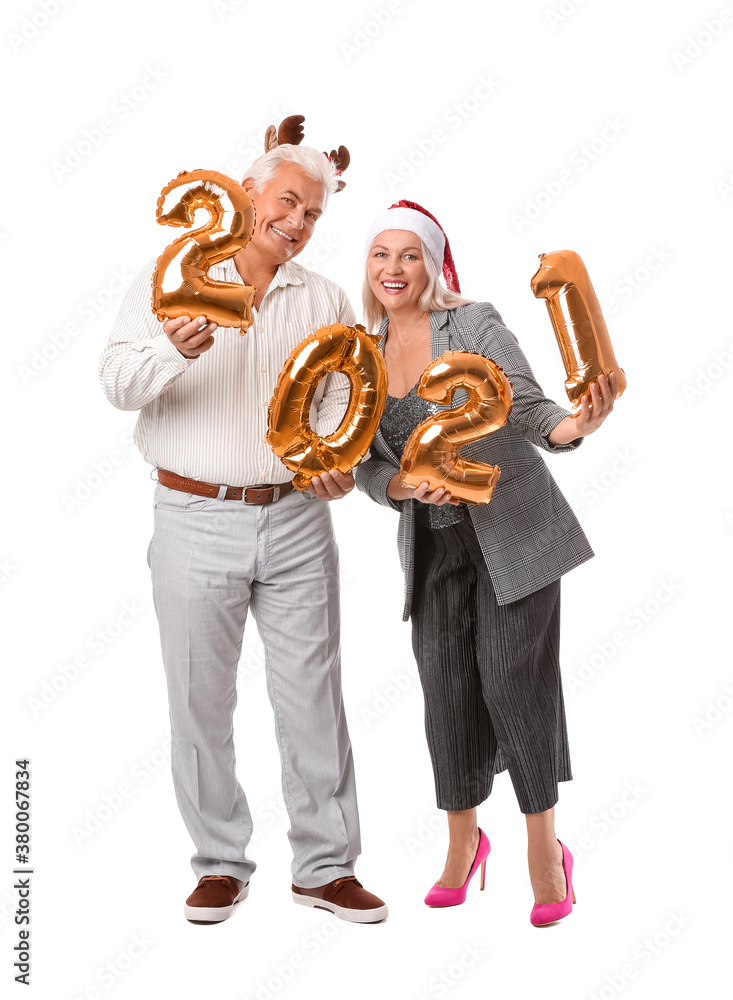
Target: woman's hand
398,491
592,411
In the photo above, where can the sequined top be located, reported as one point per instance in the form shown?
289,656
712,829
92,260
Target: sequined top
401,417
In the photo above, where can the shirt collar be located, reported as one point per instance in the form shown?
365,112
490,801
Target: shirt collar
286,274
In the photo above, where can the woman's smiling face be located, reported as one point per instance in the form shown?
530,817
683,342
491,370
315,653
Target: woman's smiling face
396,269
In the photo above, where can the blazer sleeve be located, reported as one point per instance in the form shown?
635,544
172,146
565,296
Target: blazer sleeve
533,414
373,476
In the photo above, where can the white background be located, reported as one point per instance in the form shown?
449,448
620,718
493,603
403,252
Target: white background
516,90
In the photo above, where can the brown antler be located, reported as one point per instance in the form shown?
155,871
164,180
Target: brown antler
291,130
341,159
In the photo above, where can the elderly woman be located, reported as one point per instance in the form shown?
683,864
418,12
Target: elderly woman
482,581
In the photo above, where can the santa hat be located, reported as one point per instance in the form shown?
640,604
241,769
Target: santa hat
413,218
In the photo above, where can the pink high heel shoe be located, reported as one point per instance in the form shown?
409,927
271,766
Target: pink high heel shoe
447,896
548,913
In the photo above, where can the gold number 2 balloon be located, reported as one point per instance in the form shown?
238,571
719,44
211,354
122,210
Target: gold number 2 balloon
336,348
432,453
582,336
226,303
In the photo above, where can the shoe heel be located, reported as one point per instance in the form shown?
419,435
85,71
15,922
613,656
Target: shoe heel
572,893
483,873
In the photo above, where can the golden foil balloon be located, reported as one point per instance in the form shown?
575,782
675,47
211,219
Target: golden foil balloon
580,328
335,348
432,453
226,303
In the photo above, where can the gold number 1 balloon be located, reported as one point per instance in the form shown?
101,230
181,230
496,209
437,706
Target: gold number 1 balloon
582,336
226,303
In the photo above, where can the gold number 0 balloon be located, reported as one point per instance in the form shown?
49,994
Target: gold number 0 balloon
432,452
226,303
582,336
335,348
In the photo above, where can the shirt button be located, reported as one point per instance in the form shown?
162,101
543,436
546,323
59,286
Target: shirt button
262,329
263,369
181,367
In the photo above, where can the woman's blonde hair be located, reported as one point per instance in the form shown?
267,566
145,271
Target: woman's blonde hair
434,298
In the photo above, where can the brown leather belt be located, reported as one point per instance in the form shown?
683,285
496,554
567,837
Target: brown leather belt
261,493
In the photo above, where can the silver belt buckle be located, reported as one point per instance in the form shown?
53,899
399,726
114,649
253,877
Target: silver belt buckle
276,494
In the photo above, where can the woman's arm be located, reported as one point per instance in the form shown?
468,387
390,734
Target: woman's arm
534,415
592,412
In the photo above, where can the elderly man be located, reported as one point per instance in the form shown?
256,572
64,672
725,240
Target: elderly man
203,394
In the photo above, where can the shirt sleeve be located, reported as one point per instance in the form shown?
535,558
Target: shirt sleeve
139,362
533,414
337,390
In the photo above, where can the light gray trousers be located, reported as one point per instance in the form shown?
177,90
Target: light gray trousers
211,561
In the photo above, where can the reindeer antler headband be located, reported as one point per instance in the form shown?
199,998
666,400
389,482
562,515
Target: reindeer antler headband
291,131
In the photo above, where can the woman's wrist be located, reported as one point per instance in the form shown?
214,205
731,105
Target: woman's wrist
396,491
565,432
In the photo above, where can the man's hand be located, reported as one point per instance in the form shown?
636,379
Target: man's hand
332,485
190,337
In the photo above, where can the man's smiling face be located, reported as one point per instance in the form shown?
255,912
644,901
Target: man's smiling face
286,211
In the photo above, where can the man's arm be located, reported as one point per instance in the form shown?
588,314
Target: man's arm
144,358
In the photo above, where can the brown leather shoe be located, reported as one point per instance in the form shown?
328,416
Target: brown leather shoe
346,897
214,898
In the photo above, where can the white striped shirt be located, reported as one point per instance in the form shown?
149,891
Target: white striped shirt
206,417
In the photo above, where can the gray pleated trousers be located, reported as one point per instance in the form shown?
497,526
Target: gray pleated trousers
211,561
490,676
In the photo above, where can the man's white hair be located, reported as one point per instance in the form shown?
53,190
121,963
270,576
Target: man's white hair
310,161
435,298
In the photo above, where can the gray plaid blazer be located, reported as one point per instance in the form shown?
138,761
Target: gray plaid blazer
528,534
